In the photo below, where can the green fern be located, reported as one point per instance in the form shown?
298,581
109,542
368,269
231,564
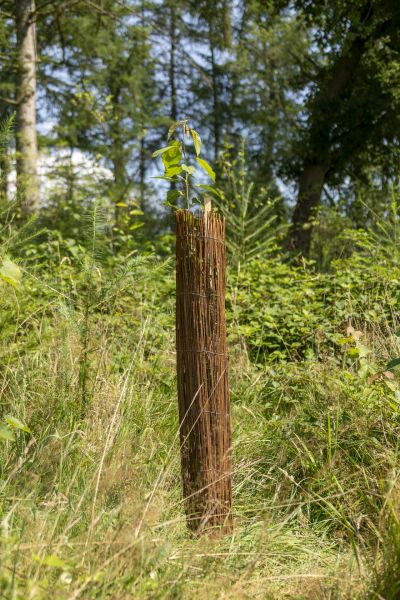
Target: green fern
6,129
94,231
251,218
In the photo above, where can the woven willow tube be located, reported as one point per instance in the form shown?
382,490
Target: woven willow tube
202,369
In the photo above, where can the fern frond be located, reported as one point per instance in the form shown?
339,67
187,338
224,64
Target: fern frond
251,216
6,129
94,229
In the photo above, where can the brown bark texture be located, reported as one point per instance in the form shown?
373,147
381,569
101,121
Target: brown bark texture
318,159
202,371
310,190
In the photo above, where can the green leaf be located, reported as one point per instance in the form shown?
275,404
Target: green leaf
172,171
6,433
173,195
188,169
10,272
51,560
173,128
135,226
196,141
353,352
173,156
166,203
122,204
136,211
344,340
161,151
207,168
392,364
210,189
15,423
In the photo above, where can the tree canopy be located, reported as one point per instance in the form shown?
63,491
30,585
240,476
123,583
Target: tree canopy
314,89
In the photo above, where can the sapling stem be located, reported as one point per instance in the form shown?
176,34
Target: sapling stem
186,174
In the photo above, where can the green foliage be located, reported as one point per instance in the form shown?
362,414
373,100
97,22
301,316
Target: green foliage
11,425
264,294
174,158
10,272
207,168
110,102
6,433
15,423
252,221
286,311
6,129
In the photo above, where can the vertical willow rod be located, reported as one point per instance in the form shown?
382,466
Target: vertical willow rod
202,369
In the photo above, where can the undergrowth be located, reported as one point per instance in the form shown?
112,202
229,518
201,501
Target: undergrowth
90,474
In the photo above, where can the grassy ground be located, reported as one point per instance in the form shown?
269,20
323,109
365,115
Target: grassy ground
90,498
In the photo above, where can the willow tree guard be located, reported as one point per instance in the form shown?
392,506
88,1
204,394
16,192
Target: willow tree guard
202,369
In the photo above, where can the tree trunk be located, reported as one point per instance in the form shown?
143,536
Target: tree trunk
215,98
70,176
172,87
118,157
26,138
4,172
120,186
142,170
318,159
310,189
172,74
